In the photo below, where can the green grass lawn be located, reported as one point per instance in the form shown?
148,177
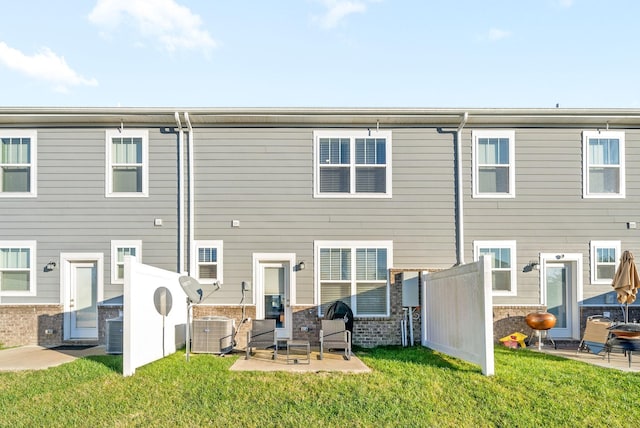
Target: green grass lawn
408,387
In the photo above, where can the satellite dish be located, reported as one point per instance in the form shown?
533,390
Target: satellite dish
192,288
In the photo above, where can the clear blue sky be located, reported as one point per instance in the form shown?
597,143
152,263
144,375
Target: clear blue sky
320,53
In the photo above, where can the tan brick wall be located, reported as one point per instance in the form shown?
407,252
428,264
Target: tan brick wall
28,325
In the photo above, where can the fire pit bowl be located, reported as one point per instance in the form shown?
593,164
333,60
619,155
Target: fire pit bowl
626,330
540,320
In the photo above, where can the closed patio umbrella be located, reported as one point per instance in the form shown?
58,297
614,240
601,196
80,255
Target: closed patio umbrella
626,281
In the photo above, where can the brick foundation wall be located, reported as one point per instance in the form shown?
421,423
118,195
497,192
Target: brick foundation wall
30,325
510,319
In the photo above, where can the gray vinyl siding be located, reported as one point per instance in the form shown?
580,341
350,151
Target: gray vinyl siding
264,179
549,214
71,213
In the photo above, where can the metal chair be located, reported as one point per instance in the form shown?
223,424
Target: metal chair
596,334
334,335
262,335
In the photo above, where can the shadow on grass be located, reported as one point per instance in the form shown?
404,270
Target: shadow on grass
416,355
112,362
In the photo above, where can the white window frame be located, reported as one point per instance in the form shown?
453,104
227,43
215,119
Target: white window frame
353,246
128,133
115,245
352,135
195,246
594,246
476,135
586,164
33,154
511,245
31,245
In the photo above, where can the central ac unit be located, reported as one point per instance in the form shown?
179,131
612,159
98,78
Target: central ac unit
212,335
114,336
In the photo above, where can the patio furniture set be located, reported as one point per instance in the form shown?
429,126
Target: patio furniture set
602,335
333,335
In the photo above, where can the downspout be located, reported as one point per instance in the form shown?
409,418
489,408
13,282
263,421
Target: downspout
180,195
190,192
460,189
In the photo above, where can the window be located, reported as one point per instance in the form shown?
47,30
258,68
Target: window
206,261
352,164
605,256
493,164
17,163
17,268
120,249
355,272
503,264
603,164
127,163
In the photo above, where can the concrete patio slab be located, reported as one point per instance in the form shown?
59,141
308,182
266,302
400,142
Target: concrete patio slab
332,362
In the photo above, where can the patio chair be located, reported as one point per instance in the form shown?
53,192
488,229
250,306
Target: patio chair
596,334
334,335
262,335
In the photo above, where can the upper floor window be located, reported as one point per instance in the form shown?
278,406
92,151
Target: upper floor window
127,163
603,164
17,268
352,164
605,257
17,163
120,249
355,272
493,164
206,261
503,264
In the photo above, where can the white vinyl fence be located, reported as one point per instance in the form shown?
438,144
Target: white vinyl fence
457,316
155,315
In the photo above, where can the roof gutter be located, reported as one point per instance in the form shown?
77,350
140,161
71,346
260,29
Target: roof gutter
460,191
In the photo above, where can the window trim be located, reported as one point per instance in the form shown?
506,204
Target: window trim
586,135
32,246
133,133
475,136
353,245
511,244
352,135
193,265
593,247
33,136
115,244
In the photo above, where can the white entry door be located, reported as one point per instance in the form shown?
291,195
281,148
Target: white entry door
561,279
273,292
83,303
81,280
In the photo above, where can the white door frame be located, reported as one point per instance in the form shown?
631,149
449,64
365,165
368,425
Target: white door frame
575,262
66,261
258,286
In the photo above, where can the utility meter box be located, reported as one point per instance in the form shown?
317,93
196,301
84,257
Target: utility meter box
410,289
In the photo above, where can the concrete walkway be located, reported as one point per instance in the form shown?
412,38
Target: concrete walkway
33,357
39,358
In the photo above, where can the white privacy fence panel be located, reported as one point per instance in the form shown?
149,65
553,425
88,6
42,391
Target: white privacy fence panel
457,316
148,335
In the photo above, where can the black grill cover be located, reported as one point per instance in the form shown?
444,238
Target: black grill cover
340,310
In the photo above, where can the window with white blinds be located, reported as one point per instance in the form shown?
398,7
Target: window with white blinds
206,261
127,163
352,163
17,268
17,163
355,272
603,164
